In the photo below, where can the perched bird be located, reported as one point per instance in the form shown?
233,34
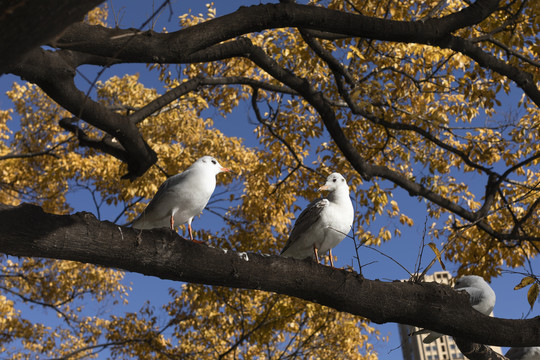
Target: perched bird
182,196
323,224
481,295
523,353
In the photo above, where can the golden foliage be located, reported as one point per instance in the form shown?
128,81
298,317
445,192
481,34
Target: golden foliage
432,89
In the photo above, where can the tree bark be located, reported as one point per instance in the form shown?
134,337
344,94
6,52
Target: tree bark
477,351
24,25
26,230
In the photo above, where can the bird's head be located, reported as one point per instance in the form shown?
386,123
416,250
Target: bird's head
210,163
333,182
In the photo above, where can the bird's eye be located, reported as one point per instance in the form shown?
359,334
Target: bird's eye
335,180
214,162
342,180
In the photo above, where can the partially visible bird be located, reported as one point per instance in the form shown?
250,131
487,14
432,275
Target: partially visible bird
523,353
323,224
182,196
481,295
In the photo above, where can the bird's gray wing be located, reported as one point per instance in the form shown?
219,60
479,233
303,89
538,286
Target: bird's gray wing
476,295
305,220
163,188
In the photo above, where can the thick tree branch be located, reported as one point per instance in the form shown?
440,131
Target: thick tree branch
178,45
522,78
54,74
25,25
106,144
328,116
28,231
181,46
366,170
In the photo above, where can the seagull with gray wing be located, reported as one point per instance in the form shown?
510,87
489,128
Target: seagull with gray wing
182,197
481,295
323,224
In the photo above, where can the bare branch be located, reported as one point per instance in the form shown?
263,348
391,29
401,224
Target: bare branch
49,152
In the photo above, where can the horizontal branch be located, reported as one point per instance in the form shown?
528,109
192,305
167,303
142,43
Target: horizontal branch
25,25
193,84
49,152
28,231
172,47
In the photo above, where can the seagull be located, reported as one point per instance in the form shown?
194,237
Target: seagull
323,224
182,196
523,353
481,295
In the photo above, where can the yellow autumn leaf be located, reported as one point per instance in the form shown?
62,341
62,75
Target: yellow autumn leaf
532,294
527,280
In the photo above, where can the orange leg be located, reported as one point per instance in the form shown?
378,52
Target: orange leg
331,258
172,222
190,231
316,252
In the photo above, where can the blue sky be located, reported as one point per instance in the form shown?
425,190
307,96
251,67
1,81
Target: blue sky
510,303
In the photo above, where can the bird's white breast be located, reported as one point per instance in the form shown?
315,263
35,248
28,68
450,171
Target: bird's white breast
192,196
336,221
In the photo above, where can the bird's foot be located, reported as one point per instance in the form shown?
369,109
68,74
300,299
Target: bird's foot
334,267
198,241
138,240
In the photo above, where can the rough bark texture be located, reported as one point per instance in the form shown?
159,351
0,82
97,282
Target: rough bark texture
26,24
28,231
477,351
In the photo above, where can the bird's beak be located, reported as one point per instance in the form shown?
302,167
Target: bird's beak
322,188
224,169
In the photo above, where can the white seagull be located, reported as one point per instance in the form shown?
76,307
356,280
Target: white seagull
523,353
182,196
323,224
481,295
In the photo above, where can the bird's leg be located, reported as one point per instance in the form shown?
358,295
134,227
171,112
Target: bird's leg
172,222
331,258
316,252
190,231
